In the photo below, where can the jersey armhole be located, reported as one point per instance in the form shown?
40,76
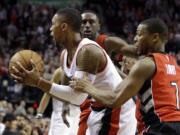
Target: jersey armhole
152,56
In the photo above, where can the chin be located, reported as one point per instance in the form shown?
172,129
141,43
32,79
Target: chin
88,36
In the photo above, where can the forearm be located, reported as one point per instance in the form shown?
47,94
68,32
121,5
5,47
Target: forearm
44,102
118,45
44,85
105,97
67,94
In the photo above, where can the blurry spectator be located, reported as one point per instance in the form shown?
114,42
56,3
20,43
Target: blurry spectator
21,108
10,123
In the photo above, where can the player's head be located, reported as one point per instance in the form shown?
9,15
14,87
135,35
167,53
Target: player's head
151,36
90,25
65,23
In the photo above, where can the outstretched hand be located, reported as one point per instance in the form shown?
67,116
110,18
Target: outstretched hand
27,77
82,85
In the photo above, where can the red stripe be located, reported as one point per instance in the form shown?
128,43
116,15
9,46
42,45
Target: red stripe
85,111
114,125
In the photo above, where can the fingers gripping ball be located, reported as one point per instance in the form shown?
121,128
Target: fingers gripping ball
24,57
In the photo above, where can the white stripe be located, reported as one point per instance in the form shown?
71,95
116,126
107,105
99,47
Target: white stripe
146,94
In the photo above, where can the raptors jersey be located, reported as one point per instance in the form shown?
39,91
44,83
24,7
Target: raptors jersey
160,95
103,120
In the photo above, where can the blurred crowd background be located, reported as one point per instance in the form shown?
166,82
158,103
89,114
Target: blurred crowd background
25,25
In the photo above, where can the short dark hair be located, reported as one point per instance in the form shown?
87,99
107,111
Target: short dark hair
72,17
9,117
93,12
156,25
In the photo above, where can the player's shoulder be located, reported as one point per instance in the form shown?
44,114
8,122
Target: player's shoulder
91,49
146,62
145,66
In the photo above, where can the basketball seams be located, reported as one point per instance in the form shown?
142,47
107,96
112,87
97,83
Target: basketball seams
38,63
24,57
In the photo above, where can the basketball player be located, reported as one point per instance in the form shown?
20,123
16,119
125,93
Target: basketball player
90,28
155,78
81,57
65,117
57,125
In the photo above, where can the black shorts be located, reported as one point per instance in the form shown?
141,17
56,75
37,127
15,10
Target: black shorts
165,128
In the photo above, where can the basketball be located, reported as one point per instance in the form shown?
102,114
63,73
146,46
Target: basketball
24,57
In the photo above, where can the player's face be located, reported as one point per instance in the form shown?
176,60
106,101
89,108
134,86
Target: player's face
90,25
143,40
56,30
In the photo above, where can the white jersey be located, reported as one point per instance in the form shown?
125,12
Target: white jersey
102,119
57,125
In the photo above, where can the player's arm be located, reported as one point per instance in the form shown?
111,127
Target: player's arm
91,60
140,72
143,70
34,79
121,73
46,97
118,45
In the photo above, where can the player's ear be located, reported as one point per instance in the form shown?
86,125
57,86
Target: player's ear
156,37
64,26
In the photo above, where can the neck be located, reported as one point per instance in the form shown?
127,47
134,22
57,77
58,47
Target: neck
160,48
72,44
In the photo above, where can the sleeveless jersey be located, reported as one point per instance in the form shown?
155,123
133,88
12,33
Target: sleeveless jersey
160,95
103,120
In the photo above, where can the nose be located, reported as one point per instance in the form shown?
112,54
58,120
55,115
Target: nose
87,24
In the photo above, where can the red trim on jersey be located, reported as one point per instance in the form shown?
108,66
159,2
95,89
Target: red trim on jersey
85,111
115,122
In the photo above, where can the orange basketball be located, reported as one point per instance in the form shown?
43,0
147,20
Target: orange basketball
24,57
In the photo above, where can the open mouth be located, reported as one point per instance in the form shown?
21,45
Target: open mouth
87,32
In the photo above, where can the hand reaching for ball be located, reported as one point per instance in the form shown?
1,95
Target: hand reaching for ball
25,76
26,66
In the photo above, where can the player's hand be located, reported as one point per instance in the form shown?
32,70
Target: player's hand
25,76
82,85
